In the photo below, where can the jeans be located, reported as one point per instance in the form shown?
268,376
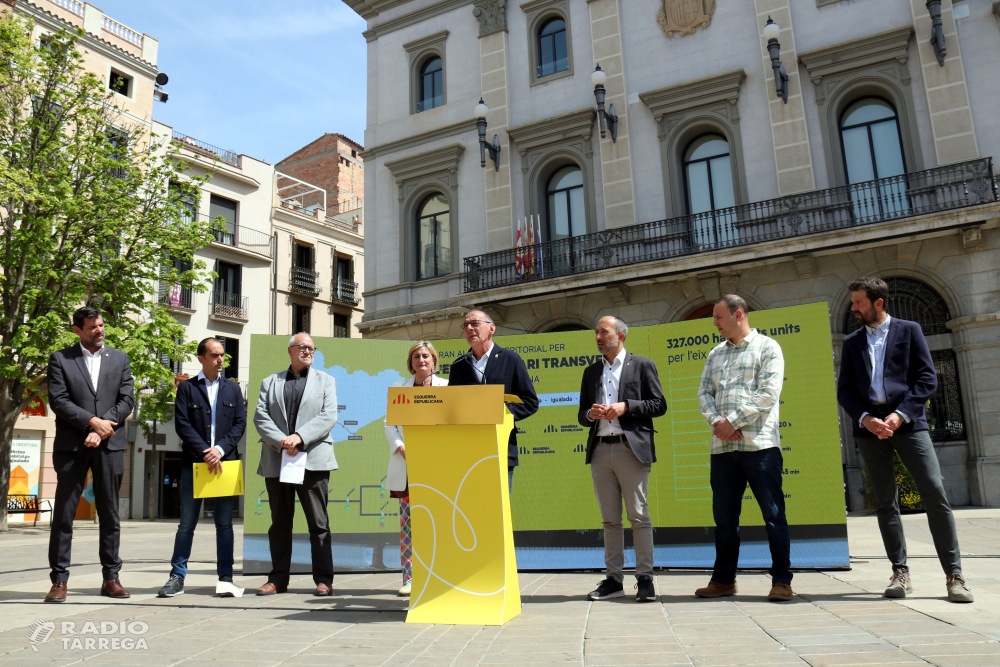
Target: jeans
730,474
190,513
917,453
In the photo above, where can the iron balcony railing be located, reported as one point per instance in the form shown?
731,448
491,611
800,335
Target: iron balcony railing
245,238
931,191
227,304
344,291
304,281
227,156
175,296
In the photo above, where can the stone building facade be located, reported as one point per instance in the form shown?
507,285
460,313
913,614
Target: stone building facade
879,162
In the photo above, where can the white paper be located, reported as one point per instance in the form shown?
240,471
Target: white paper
293,468
227,590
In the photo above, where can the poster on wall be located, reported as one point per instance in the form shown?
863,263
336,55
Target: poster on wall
556,519
25,468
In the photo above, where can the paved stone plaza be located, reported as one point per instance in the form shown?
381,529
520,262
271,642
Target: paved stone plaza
836,618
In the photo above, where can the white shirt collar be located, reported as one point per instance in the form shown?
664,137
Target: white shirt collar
486,354
87,352
619,358
201,376
872,331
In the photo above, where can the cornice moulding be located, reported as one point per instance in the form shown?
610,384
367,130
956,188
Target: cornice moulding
412,18
884,47
433,161
536,5
694,94
424,42
551,130
418,139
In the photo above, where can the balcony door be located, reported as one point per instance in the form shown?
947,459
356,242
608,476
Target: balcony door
226,209
708,179
873,151
228,295
566,215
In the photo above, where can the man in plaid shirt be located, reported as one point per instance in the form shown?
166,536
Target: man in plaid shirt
738,397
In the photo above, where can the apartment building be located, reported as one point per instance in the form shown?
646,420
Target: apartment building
710,153
126,60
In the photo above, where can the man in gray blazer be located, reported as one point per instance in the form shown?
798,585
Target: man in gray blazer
91,394
296,410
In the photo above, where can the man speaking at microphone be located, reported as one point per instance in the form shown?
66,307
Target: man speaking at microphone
488,363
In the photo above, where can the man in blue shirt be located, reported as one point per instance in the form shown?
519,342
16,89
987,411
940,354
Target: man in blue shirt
886,378
210,419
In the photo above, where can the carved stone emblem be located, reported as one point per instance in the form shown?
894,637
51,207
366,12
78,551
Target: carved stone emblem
684,16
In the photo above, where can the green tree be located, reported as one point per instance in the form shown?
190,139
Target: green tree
92,208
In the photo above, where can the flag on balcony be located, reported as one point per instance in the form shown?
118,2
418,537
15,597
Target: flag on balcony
520,256
534,239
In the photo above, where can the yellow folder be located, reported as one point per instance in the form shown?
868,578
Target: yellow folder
216,485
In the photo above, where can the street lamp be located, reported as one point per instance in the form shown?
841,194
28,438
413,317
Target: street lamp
771,32
598,78
937,30
481,111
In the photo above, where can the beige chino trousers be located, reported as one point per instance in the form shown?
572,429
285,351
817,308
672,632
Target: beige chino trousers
618,475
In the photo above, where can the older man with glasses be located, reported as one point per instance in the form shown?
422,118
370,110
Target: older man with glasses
488,363
296,410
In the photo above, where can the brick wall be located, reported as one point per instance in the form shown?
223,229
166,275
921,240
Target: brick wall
332,162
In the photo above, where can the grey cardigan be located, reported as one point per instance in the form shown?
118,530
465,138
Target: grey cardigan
317,417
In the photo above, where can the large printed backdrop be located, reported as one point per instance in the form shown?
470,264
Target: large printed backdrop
556,518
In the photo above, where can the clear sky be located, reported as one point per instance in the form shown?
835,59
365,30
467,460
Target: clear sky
255,77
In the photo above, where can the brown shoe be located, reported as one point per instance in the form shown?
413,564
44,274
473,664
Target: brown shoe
780,593
112,588
716,590
57,593
271,588
323,590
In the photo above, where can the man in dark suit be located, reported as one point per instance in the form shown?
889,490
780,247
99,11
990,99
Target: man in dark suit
91,394
619,396
886,378
210,418
488,363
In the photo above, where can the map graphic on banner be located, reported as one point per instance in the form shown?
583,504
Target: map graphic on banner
556,519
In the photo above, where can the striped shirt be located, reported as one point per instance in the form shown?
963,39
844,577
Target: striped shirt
742,383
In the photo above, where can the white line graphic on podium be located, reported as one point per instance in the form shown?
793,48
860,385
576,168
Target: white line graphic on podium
690,439
454,509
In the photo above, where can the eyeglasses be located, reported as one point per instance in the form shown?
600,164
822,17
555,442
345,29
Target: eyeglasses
304,348
474,324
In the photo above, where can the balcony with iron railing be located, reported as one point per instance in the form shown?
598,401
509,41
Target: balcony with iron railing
229,307
176,297
304,281
227,156
931,191
345,291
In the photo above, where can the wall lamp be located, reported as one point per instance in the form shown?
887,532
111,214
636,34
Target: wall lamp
937,30
598,78
481,111
771,32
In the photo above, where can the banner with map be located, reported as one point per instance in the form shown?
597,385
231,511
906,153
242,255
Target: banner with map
557,523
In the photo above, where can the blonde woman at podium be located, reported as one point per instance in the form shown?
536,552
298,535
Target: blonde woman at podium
422,362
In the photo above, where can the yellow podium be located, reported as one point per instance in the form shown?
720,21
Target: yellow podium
464,569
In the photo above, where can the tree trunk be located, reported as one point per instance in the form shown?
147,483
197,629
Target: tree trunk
9,413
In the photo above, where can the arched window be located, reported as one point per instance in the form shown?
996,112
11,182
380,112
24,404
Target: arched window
913,300
434,232
431,85
873,150
552,53
566,209
708,179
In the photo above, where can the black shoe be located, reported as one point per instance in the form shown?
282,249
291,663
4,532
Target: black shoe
647,592
228,580
174,586
607,589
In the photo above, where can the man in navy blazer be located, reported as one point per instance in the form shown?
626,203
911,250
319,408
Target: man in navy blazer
886,378
210,419
488,363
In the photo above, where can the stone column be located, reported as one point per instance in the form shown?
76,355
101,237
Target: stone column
792,155
616,158
947,94
977,349
492,17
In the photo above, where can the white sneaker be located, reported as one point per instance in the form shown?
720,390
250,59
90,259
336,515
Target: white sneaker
404,590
